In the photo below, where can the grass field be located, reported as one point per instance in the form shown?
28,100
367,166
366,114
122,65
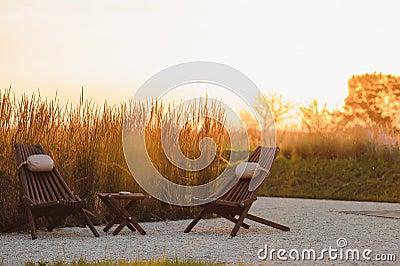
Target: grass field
355,164
85,142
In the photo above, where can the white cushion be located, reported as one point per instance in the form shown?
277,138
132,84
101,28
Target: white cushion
40,163
247,170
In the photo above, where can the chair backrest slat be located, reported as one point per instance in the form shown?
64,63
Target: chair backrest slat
269,155
38,179
31,179
248,194
41,186
242,188
50,190
54,187
44,188
240,191
230,193
31,191
60,185
235,189
24,181
245,193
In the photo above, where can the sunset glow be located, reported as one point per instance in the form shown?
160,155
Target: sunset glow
301,50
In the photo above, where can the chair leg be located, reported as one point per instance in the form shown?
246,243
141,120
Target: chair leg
240,221
89,223
31,222
195,221
266,222
234,220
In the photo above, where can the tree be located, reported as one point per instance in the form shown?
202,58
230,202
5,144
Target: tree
265,105
373,100
316,119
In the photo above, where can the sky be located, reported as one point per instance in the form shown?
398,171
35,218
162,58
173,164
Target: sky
302,50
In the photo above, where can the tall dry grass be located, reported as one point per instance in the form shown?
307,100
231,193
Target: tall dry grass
201,119
85,141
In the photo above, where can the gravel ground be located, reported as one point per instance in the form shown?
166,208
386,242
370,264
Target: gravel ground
315,224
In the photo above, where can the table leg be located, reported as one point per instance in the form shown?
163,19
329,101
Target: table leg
116,217
127,218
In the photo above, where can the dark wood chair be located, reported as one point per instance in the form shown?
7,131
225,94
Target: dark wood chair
238,200
46,193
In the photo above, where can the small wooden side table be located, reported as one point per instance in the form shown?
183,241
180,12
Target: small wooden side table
122,214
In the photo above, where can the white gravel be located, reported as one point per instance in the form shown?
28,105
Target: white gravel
315,224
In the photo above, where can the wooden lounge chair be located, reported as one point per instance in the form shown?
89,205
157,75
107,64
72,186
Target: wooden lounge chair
46,193
238,200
